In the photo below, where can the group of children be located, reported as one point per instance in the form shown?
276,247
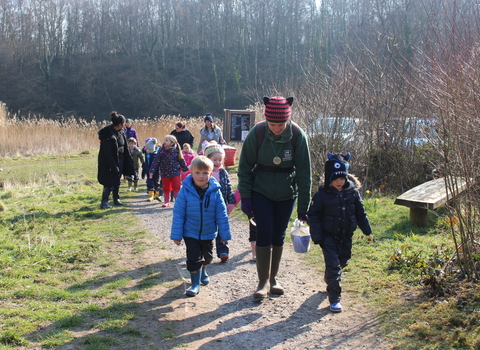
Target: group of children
166,169
201,210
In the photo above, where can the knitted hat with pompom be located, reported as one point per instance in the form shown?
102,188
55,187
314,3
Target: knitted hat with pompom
151,144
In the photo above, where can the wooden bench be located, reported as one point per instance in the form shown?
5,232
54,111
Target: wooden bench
429,196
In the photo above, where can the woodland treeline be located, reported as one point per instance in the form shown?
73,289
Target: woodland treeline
154,57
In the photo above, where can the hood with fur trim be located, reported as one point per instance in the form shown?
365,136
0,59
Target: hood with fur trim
352,182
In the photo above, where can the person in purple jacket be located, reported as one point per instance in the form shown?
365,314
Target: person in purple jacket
129,131
199,215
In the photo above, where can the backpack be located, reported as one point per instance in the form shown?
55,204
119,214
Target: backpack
260,132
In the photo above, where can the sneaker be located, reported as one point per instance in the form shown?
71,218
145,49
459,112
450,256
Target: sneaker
135,189
224,257
159,198
164,205
336,307
129,189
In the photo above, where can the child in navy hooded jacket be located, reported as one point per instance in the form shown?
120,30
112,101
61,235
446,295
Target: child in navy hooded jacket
335,212
199,215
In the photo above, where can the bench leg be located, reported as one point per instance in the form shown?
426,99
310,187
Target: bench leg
419,217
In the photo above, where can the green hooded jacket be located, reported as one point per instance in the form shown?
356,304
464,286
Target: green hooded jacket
276,186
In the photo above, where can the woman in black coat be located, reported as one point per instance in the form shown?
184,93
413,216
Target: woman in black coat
114,159
182,134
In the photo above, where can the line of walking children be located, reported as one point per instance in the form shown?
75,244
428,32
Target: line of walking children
334,214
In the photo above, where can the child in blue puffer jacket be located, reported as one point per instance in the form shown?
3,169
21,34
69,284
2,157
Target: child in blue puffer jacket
199,215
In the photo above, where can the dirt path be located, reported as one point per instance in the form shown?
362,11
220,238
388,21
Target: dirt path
224,315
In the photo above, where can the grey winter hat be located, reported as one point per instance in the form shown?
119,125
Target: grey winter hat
151,144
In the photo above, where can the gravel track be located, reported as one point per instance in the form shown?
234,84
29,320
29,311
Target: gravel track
224,315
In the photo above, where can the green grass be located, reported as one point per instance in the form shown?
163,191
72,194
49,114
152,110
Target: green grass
52,234
49,170
408,315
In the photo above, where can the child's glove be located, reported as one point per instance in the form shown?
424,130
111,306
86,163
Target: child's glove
236,194
246,206
304,217
230,208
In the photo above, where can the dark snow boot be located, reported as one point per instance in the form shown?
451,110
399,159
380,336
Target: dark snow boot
275,287
264,263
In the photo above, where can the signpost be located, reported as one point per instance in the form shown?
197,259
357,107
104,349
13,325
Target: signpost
237,124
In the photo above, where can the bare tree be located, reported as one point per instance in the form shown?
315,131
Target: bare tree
449,79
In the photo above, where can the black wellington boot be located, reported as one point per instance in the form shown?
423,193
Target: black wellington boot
116,196
105,194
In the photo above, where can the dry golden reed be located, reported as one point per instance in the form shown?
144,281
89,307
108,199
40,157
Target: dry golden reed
3,118
35,135
3,113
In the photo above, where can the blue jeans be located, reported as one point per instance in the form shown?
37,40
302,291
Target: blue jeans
272,219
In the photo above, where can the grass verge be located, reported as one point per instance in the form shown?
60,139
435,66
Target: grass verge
61,268
389,273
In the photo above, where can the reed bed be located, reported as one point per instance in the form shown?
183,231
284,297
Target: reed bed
34,135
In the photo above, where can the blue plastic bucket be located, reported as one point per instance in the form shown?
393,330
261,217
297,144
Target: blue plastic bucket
301,244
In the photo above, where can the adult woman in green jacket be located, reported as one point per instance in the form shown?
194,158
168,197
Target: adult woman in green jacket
274,171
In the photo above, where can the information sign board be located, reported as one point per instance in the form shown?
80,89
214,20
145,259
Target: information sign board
237,124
